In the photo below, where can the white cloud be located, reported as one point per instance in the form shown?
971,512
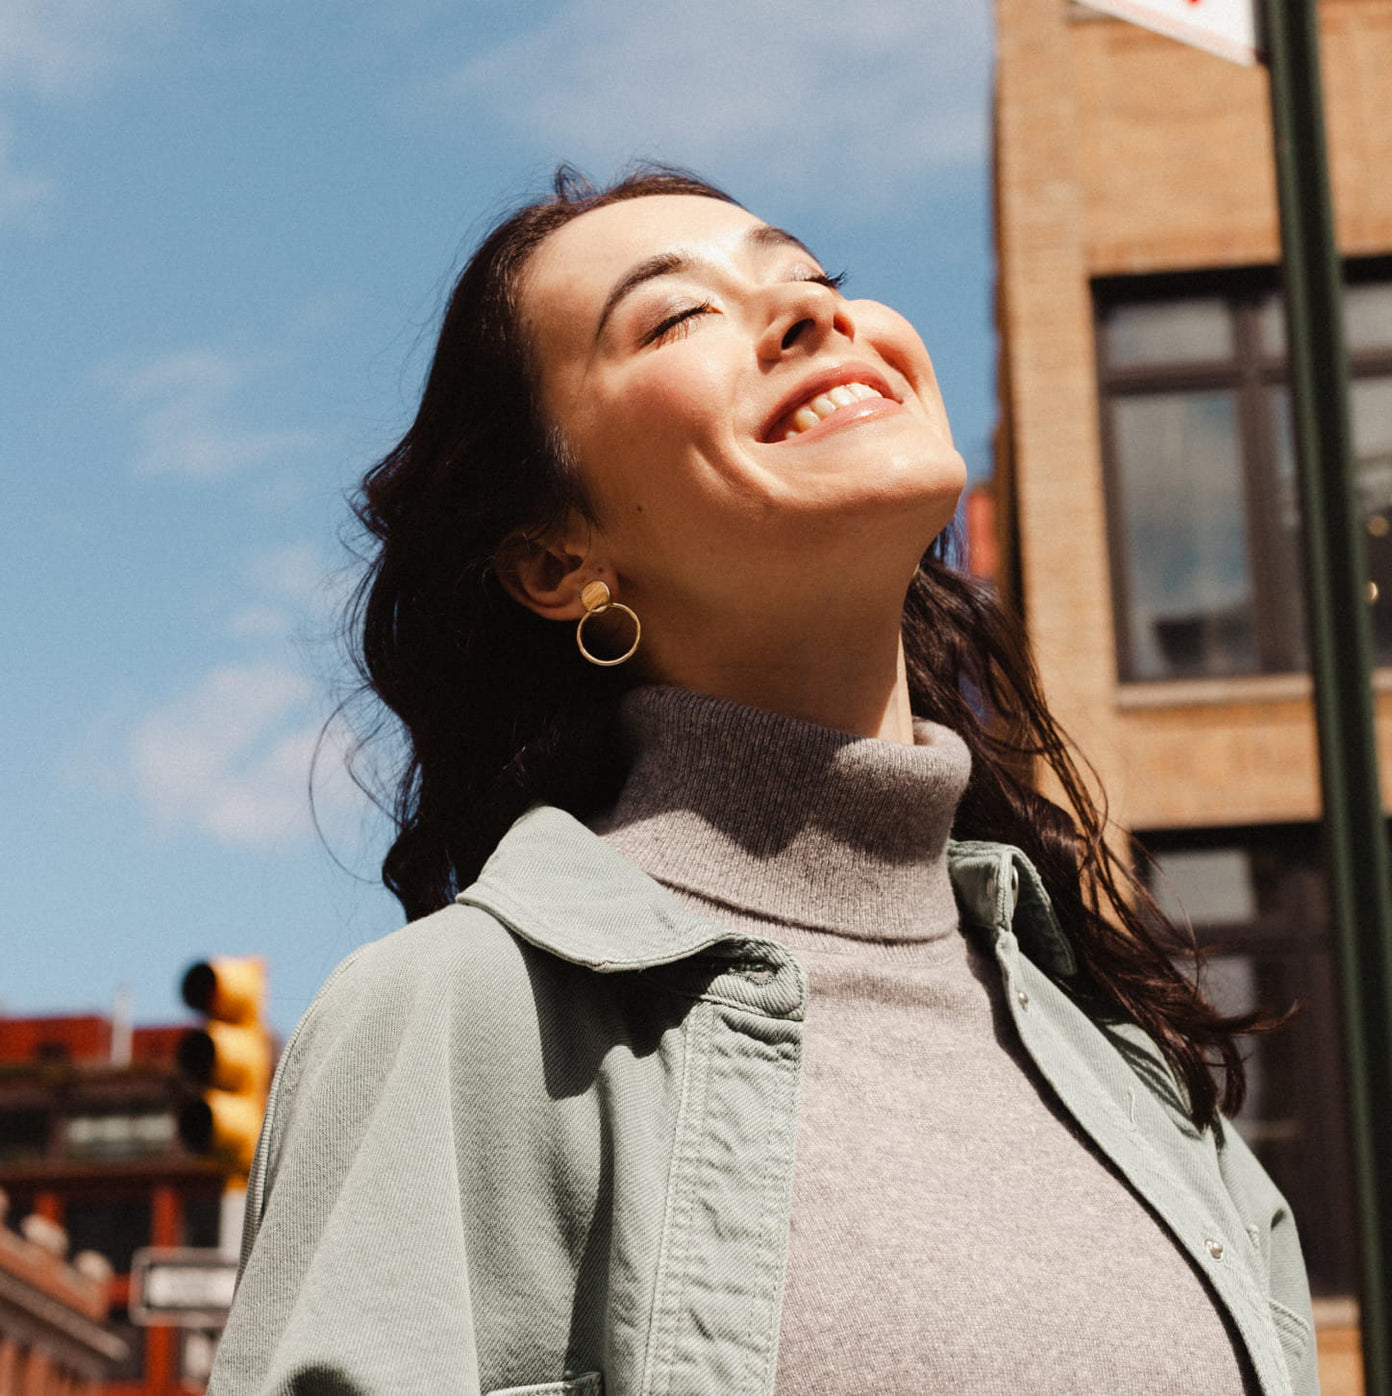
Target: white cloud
62,47
297,594
259,621
293,571
20,191
808,96
185,404
231,758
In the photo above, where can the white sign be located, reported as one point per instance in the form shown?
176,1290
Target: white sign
1225,27
183,1286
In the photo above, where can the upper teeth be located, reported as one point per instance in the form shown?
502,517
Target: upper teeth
824,404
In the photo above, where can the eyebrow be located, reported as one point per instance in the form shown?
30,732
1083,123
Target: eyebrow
669,263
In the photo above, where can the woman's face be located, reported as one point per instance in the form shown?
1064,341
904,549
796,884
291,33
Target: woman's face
736,421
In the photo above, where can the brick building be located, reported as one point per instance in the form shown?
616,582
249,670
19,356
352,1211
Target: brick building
1149,520
54,1339
89,1150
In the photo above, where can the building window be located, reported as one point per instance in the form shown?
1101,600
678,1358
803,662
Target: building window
113,1226
202,1219
116,1136
23,1135
1204,516
1257,902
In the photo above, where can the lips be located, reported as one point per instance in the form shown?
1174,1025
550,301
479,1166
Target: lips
863,391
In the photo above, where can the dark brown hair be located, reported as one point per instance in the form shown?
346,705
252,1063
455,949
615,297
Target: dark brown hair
499,713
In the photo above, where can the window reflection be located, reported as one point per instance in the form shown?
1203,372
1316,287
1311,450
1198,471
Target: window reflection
1370,403
1204,503
1190,330
1368,316
1367,319
1204,886
1189,590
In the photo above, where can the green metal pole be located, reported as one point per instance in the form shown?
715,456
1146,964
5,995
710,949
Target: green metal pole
1340,643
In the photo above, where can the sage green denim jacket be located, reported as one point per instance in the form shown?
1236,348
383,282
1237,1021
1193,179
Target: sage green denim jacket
542,1142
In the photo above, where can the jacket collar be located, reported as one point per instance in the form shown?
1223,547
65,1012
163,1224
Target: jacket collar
563,889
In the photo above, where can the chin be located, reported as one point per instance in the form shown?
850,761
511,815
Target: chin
914,487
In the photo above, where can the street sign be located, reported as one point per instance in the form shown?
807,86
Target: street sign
1225,27
187,1287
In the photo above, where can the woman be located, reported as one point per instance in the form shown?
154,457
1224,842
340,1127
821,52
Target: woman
713,1066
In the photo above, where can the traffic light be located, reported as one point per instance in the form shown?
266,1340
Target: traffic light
229,1057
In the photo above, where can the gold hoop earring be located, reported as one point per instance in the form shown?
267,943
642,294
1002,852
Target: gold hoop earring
595,598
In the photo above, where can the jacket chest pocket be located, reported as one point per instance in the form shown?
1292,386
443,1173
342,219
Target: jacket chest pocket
587,1384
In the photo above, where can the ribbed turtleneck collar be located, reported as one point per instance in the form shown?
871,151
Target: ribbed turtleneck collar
788,822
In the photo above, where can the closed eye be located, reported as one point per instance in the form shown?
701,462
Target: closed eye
832,283
664,329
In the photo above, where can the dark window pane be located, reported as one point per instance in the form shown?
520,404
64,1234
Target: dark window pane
1184,535
23,1135
1291,1117
1258,904
202,1219
1182,331
113,1229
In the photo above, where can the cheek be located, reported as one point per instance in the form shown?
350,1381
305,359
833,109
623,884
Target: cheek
649,442
899,342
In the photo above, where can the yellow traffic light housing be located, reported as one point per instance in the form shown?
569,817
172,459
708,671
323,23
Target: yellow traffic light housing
229,1057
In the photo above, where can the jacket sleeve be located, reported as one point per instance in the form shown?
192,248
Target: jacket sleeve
1271,1228
355,1277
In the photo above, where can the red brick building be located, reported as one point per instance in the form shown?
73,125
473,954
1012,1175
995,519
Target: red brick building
54,1339
88,1142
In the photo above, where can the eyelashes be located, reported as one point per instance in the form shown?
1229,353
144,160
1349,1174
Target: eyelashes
670,325
666,327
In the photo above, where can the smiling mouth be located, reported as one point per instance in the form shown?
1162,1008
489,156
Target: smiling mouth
838,395
824,404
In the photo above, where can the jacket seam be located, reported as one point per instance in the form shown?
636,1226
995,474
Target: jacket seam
666,1305
783,1061
1301,1327
726,1003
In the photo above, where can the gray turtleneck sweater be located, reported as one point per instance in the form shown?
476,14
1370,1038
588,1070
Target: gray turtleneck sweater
952,1229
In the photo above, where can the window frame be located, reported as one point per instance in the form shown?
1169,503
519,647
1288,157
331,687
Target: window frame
1250,373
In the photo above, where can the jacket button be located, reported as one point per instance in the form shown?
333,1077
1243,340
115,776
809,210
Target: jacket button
1215,1248
1023,998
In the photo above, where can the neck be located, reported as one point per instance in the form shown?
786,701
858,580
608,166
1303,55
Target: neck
789,823
817,670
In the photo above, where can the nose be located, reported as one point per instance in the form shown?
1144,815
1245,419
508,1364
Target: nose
803,316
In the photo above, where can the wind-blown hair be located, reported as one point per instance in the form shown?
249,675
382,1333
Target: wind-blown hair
500,712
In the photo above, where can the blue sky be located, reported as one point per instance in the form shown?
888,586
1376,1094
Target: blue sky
227,231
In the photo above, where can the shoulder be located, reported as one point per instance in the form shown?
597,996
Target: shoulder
443,1022
450,951
453,985
456,977
450,957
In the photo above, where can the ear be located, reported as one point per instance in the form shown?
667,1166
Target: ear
546,574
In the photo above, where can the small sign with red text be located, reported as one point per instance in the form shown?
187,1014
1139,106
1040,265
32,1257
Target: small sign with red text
1225,27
